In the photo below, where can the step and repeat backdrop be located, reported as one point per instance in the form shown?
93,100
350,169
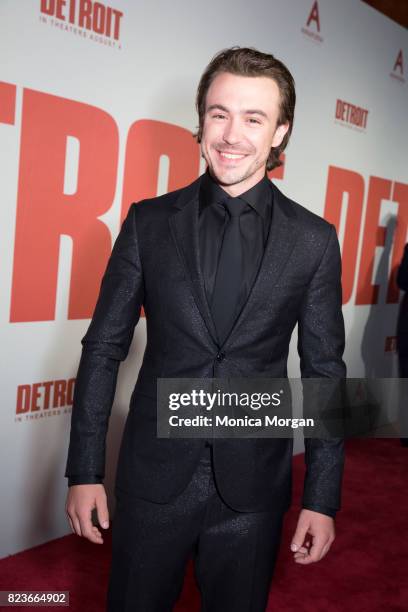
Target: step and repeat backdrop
97,111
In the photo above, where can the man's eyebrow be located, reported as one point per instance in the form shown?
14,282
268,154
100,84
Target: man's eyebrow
249,111
219,107
256,111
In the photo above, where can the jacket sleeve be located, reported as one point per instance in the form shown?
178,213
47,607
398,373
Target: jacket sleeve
402,275
321,342
105,345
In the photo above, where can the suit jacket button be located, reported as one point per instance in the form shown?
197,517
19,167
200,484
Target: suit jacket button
220,356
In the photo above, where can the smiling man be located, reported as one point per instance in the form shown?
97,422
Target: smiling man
225,269
240,127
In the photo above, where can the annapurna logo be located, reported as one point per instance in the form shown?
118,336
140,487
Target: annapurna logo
312,28
94,17
398,69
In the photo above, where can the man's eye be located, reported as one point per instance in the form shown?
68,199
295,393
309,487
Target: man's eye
218,116
252,120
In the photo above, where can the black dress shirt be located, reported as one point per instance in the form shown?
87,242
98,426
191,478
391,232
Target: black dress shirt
255,223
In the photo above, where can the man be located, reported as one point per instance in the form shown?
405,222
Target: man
225,268
402,327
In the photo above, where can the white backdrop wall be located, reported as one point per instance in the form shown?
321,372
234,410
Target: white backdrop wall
96,111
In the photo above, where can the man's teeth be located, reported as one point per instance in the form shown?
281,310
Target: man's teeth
231,155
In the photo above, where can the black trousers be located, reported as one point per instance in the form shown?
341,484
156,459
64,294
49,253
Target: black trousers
234,552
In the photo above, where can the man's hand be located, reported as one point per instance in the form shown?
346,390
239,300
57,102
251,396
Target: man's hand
81,500
321,529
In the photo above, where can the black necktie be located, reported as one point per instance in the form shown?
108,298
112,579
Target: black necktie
228,280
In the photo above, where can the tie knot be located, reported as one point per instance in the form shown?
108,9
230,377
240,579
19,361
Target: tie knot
235,206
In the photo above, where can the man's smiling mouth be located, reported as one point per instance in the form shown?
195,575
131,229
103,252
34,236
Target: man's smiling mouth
233,156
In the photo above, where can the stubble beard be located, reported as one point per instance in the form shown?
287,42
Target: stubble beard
235,176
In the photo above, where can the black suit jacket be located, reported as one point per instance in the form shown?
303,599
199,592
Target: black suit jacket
155,263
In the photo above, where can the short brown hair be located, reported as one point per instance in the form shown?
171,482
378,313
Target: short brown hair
247,61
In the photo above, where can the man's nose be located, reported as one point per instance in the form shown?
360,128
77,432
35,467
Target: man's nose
232,132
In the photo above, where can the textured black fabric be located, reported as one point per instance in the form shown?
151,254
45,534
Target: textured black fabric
85,479
234,553
155,262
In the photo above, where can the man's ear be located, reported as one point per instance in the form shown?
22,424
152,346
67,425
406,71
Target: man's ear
279,134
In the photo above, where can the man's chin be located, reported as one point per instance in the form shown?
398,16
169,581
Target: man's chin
228,178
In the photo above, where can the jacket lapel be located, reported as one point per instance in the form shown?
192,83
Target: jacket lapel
184,229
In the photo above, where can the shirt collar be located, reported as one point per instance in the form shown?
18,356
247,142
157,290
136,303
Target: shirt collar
259,197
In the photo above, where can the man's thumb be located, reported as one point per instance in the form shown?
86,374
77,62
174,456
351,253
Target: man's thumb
298,538
103,514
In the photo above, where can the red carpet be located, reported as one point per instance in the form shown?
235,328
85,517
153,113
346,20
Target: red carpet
365,571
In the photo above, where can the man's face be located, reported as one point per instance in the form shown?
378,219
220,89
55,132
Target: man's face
240,129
